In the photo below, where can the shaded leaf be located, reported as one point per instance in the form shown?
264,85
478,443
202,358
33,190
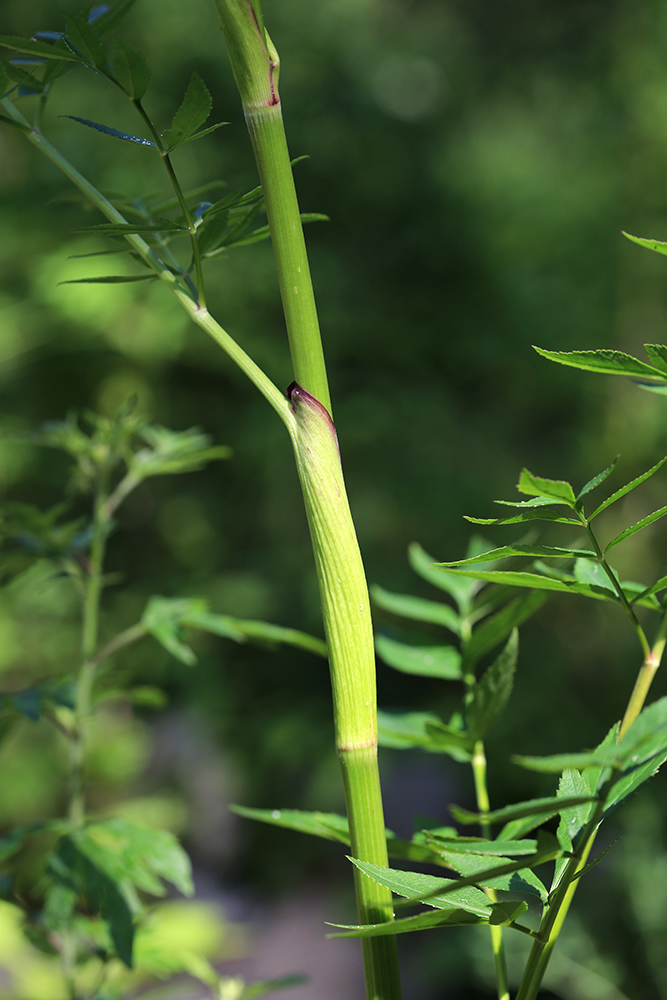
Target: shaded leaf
163,619
416,608
497,872
110,279
535,581
191,138
260,987
491,694
494,629
553,489
19,125
423,564
240,630
131,71
42,49
402,731
87,42
330,826
425,661
627,488
193,112
591,571
130,228
109,19
498,848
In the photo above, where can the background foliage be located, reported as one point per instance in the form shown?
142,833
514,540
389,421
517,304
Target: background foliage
477,162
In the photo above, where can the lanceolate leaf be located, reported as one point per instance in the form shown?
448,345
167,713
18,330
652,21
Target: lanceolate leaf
420,922
659,585
657,245
109,19
330,826
634,528
241,630
497,848
417,608
627,488
600,478
605,361
203,132
87,41
560,761
533,551
535,581
554,489
131,70
491,694
109,279
42,49
108,130
425,661
128,228
191,115
425,888
544,807
497,872
411,729
537,513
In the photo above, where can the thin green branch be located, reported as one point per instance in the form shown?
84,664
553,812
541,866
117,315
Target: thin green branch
178,191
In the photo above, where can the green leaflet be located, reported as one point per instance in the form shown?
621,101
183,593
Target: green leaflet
87,41
544,808
416,608
408,729
552,489
419,888
634,528
491,693
425,661
191,115
658,355
604,361
425,921
473,845
494,629
596,480
131,70
534,551
560,761
624,490
497,873
41,49
542,512
422,563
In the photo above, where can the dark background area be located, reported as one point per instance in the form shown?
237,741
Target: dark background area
478,162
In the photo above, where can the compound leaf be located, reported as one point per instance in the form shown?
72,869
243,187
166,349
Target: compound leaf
419,888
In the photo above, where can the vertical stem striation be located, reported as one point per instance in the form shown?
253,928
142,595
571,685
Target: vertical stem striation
349,633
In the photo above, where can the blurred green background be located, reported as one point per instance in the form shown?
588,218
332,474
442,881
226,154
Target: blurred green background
478,162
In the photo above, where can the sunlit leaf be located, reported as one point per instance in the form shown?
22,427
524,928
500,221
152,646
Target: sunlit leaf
560,761
496,872
544,807
634,528
552,489
605,361
596,480
331,826
658,355
417,887
523,551
624,490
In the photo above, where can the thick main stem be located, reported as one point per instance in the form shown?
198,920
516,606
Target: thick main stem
349,634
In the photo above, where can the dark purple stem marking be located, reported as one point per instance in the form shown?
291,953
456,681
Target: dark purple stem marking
298,395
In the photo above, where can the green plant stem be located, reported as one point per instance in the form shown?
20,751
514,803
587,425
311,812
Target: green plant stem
256,65
349,635
641,635
553,920
84,683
